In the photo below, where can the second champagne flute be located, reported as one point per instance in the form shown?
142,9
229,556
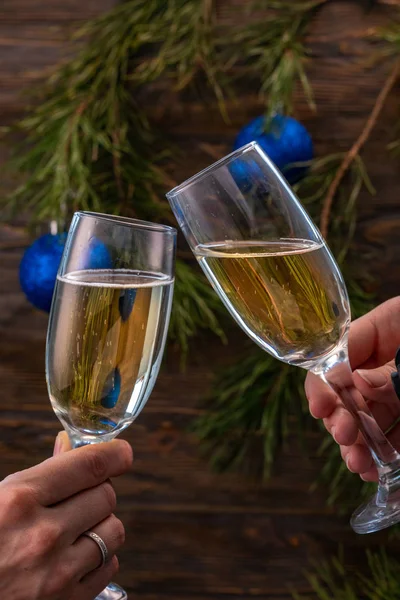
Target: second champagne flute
276,276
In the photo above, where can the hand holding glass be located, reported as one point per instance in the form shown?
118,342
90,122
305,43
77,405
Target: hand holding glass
108,326
276,276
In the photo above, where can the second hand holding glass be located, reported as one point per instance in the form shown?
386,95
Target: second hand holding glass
276,276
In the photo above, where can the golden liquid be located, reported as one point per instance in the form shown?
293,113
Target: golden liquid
105,345
287,295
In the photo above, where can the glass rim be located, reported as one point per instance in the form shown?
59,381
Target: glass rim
128,222
216,165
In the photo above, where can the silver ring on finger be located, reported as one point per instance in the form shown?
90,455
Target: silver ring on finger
101,545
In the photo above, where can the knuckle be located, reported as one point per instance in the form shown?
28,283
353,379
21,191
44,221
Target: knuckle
393,304
109,495
45,537
17,500
388,312
97,463
12,478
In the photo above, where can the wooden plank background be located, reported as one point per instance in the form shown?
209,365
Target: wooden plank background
190,533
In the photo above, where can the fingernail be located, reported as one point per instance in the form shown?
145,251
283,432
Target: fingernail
375,379
348,463
333,430
58,444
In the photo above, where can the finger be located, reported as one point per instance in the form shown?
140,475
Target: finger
376,385
371,475
342,426
321,399
357,457
374,338
67,474
62,443
84,510
86,553
95,582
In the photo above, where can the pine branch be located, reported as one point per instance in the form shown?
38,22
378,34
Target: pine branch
89,145
272,51
188,48
334,580
249,412
355,149
390,34
196,308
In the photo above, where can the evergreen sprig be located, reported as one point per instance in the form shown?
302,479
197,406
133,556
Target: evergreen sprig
249,411
334,580
272,50
198,307
191,49
88,144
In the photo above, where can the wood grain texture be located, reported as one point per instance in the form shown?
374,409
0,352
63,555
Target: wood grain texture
192,534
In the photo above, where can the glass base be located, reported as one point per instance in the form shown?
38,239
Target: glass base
376,515
112,592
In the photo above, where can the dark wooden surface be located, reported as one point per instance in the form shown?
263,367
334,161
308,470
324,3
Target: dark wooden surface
192,534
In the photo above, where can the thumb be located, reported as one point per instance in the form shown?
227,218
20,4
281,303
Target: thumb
376,384
62,443
377,388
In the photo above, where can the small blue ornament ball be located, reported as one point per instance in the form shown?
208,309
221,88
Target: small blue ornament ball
39,266
112,389
284,140
38,269
95,256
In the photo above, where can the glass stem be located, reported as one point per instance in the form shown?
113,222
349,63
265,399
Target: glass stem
335,370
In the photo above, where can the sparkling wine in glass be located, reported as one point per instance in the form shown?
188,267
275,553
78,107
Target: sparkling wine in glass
278,279
108,325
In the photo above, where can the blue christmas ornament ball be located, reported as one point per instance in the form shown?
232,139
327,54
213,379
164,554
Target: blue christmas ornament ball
284,140
112,389
95,256
38,269
39,266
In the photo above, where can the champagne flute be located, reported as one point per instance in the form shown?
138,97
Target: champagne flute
108,325
278,279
